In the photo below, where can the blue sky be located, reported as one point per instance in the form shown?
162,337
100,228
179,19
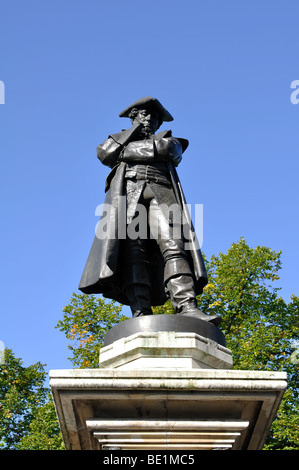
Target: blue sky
222,69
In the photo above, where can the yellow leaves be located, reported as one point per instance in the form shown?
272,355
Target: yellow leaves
86,363
87,340
77,332
7,414
74,331
217,303
209,286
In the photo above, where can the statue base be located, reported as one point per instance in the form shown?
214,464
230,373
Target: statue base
159,323
161,409
165,349
165,390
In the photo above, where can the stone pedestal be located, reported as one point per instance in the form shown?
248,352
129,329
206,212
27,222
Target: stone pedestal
169,389
165,350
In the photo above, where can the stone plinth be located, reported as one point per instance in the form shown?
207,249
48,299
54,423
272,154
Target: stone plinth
167,350
157,409
165,383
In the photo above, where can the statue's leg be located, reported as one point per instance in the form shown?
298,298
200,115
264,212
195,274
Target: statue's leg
135,277
178,278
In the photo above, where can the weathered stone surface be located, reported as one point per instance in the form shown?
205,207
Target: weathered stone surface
166,409
165,349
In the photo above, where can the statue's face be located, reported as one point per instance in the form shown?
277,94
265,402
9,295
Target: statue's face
148,119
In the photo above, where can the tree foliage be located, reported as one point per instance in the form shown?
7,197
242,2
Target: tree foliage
261,329
43,432
27,415
86,321
22,391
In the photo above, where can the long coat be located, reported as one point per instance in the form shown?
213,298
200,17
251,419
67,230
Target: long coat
102,272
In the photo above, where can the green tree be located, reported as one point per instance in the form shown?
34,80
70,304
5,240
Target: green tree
44,432
27,414
260,328
86,321
22,391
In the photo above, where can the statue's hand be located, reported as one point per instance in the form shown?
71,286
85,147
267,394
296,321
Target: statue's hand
136,128
129,135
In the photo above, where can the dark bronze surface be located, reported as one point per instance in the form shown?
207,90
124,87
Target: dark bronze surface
154,323
146,271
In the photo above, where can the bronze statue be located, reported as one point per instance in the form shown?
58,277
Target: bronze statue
144,271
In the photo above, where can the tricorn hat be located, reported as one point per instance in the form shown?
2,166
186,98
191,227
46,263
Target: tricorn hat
149,103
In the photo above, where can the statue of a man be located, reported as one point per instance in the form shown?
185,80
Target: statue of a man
143,271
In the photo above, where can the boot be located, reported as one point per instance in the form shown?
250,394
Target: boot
139,296
137,287
191,310
183,299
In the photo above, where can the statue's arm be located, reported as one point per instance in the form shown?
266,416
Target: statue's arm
169,149
109,152
139,151
165,149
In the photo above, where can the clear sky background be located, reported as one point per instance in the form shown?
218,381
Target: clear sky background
222,68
